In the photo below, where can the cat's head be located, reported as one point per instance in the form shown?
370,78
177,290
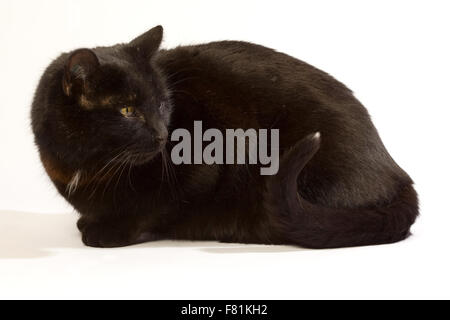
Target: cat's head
96,104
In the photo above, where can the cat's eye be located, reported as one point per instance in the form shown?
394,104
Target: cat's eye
128,111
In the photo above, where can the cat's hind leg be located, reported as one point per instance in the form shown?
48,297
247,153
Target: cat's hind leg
300,222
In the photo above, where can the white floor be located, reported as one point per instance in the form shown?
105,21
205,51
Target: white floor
41,256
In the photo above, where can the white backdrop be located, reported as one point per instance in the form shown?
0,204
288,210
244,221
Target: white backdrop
393,55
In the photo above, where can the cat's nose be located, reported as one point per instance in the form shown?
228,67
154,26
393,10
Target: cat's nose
158,130
161,136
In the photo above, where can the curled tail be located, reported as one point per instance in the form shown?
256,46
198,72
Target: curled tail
310,225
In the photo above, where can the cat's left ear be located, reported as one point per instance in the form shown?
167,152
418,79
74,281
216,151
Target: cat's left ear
80,65
148,43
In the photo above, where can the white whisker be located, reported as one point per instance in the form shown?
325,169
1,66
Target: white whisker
73,184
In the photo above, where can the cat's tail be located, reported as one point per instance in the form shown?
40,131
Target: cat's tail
310,225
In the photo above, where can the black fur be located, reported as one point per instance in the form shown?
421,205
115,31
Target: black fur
338,189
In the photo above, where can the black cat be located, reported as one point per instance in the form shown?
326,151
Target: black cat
102,119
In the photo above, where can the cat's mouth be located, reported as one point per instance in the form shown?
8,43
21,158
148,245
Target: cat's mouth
143,157
139,154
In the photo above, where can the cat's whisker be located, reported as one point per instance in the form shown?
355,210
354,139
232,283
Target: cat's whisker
122,149
181,81
163,159
171,177
97,182
165,169
120,164
100,173
114,163
125,164
131,165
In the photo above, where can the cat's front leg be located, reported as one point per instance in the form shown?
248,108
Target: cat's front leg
110,233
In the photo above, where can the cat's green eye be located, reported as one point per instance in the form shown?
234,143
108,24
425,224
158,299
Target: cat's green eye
128,111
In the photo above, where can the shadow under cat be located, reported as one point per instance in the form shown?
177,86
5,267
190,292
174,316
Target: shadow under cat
36,235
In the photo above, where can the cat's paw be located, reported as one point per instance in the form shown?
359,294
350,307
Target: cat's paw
81,223
99,235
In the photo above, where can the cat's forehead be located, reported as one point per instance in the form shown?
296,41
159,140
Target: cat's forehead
108,100
112,87
114,98
118,81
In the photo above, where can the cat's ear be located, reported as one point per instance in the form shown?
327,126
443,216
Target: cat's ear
79,66
148,43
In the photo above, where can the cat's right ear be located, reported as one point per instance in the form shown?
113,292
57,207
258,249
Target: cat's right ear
79,66
148,43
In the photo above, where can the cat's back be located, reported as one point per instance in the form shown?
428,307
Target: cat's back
251,61
257,86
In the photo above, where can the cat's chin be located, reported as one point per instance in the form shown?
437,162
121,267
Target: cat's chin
144,158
